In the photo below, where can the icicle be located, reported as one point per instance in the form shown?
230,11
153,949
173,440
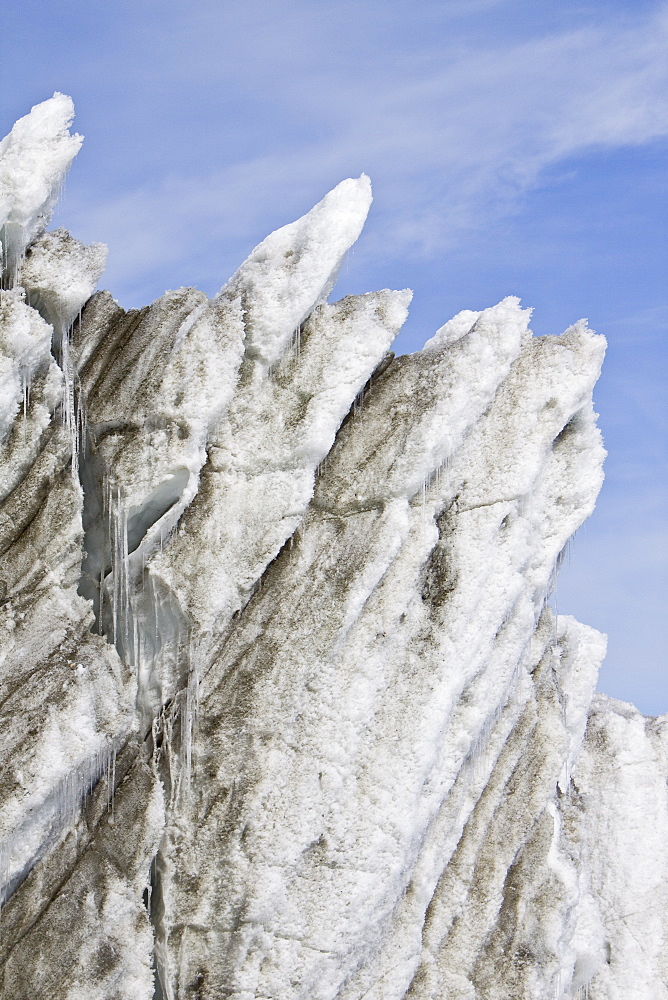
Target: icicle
433,480
125,578
557,987
113,538
73,410
136,641
556,623
481,742
297,343
124,627
25,387
69,417
156,615
564,782
108,781
189,719
61,809
99,617
439,476
12,240
113,782
5,870
81,427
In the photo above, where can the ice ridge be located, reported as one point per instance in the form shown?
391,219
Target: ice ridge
285,711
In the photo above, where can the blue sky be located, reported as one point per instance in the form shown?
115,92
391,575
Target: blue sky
515,147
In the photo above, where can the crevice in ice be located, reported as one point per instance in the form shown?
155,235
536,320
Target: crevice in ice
154,903
570,428
487,503
26,385
171,737
134,610
156,505
258,585
160,652
350,510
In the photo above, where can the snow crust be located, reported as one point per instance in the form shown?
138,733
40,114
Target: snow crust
623,844
25,353
284,709
59,275
295,268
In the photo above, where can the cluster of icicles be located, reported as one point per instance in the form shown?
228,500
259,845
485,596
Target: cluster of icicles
126,629
59,813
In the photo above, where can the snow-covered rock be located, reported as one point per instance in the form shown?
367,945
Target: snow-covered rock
285,711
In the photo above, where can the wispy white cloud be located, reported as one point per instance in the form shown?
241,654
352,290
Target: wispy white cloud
453,134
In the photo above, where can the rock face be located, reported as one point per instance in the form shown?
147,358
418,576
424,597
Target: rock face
285,713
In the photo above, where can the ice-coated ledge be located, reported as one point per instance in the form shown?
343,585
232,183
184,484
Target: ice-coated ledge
284,710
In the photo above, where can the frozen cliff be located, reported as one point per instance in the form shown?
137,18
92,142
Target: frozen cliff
285,713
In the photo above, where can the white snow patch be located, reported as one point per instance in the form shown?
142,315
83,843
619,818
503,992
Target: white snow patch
34,159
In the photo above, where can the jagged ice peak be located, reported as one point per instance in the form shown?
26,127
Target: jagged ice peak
286,712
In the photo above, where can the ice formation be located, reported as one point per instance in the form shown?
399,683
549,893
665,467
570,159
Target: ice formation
285,711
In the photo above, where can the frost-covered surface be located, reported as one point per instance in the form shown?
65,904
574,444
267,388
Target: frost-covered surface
34,159
285,713
59,275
